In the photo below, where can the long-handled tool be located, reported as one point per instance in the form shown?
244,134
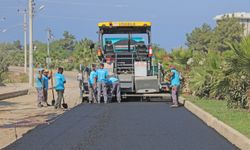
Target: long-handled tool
53,95
64,105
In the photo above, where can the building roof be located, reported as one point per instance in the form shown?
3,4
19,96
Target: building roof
240,15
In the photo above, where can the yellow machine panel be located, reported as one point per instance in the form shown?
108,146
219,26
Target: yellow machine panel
125,24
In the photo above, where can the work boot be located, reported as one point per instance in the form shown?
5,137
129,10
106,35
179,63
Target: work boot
174,106
39,105
45,104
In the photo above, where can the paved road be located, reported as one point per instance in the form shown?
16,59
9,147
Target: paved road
125,126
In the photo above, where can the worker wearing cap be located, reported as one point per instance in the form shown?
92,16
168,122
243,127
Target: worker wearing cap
92,84
39,80
59,86
114,81
102,75
46,77
175,85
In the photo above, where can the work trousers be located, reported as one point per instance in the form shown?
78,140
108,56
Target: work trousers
92,93
116,90
81,88
40,96
102,89
175,95
59,98
45,96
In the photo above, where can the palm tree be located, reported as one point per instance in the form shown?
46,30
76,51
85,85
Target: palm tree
242,59
206,74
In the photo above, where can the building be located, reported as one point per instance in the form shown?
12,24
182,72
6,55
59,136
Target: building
243,17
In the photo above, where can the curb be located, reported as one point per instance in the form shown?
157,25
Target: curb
232,135
13,94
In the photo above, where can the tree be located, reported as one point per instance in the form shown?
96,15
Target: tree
68,42
160,53
40,54
241,61
17,45
83,54
206,74
181,56
4,63
228,30
199,39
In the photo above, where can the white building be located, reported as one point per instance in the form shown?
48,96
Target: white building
243,17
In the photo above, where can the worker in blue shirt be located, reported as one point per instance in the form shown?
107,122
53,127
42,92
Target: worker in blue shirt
175,85
46,77
39,87
59,86
115,84
92,84
102,75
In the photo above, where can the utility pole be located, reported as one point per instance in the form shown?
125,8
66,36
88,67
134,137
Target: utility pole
31,2
49,37
24,12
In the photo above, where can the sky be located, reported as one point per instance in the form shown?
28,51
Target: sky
171,19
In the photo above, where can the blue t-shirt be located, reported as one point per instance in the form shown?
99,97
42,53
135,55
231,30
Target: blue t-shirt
59,80
92,77
102,75
46,82
112,80
39,82
175,79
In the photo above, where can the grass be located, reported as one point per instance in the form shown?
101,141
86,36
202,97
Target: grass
238,119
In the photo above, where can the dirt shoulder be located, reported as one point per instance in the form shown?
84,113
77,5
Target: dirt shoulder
19,115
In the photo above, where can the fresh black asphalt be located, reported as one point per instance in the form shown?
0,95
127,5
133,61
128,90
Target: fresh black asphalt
125,126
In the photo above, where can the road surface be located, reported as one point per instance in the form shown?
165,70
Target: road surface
125,126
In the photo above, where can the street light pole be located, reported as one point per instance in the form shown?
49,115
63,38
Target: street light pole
49,37
24,12
30,43
25,40
48,42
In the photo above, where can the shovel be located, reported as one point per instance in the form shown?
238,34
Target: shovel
53,95
64,105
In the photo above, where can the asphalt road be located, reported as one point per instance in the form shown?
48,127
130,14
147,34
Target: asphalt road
125,126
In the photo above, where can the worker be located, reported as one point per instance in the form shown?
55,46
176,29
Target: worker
92,84
175,85
80,80
46,77
115,87
59,86
102,75
39,87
